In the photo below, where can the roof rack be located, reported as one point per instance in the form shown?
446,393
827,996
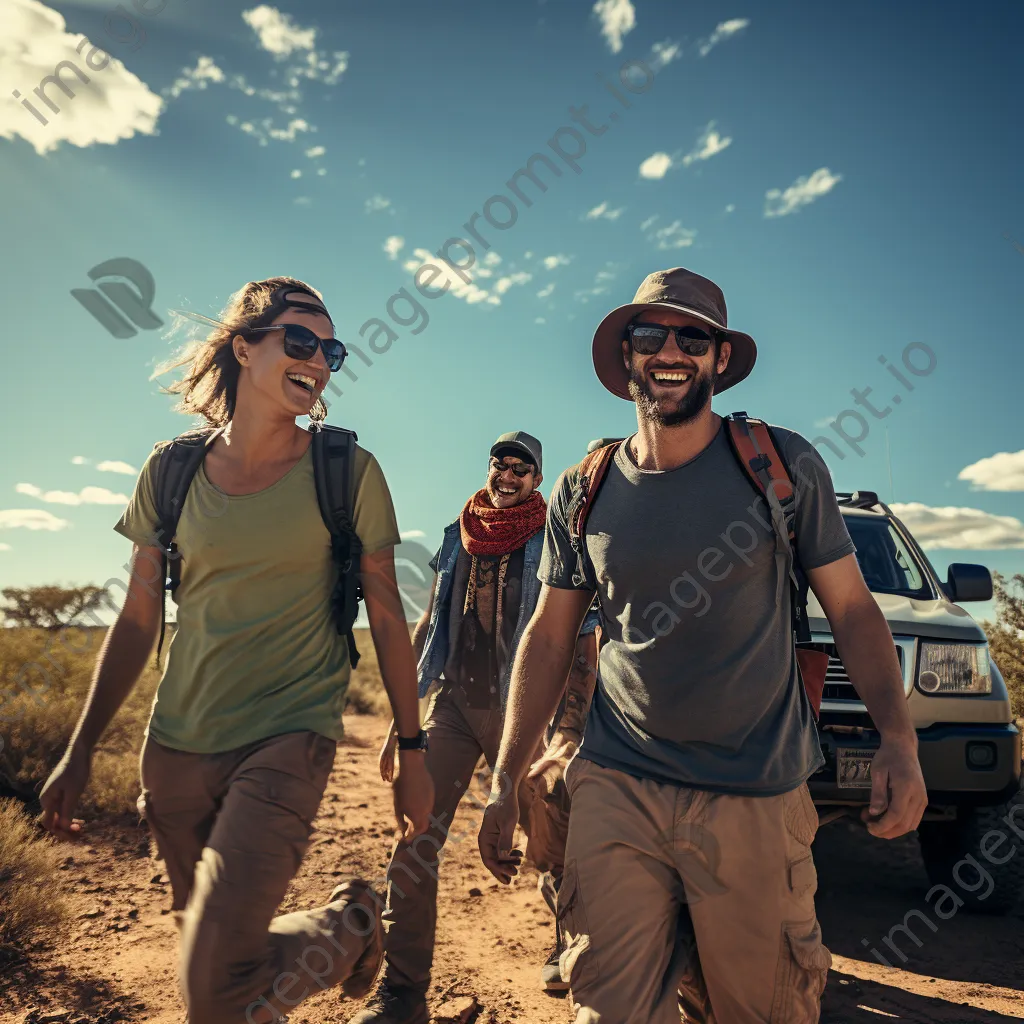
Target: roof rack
862,499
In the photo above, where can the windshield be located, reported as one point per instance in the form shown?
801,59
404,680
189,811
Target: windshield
885,560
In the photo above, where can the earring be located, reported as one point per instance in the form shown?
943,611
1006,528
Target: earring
318,414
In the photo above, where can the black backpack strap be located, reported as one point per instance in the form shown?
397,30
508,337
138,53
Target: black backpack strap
334,471
179,461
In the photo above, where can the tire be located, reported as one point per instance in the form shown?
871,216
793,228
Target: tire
946,845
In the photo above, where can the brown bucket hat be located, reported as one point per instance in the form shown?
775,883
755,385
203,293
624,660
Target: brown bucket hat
685,292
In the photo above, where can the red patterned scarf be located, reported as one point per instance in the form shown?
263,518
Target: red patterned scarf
487,530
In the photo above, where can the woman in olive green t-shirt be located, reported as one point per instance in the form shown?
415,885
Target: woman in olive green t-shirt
248,712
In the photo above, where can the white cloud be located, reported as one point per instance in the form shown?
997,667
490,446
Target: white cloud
960,528
277,33
503,284
664,53
393,246
723,30
111,466
296,173
315,151
199,77
492,259
321,171
5,547
1003,471
30,519
602,211
709,143
95,100
558,260
672,236
467,291
730,208
411,534
79,460
545,292
618,19
779,203
540,320
600,285
376,203
86,496
656,166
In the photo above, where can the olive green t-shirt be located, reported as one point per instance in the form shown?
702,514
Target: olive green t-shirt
256,652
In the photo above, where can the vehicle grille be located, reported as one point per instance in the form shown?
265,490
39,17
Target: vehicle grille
837,681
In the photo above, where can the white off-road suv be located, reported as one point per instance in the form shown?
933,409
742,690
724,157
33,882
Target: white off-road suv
969,747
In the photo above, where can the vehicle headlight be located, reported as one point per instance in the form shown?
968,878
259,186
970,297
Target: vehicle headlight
954,668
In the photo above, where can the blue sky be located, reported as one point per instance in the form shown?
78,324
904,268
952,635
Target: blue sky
851,177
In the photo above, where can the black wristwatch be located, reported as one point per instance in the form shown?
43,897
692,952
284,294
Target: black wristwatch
417,742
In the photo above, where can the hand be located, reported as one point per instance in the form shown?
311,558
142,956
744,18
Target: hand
61,794
387,757
496,832
559,753
414,794
898,793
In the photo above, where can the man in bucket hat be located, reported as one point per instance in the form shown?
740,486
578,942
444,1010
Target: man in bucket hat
688,865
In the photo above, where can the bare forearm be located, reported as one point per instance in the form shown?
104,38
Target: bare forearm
121,661
867,651
538,675
419,635
398,672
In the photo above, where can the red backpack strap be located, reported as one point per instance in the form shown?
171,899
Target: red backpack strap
755,449
592,471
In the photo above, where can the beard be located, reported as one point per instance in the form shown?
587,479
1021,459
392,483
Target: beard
687,408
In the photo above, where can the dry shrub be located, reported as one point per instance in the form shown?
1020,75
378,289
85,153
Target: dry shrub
44,678
32,903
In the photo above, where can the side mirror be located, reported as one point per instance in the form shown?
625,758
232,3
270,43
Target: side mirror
968,582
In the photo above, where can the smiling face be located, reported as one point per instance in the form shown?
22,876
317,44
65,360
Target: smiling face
671,387
275,379
504,488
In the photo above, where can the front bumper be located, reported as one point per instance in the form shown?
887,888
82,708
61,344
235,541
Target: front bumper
943,751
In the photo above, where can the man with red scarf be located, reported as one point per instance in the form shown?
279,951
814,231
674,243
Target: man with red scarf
485,591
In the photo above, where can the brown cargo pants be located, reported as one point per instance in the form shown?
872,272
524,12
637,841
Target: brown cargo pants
458,736
673,890
232,829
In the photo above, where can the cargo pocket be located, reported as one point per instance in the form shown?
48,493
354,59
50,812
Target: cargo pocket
800,975
801,814
578,964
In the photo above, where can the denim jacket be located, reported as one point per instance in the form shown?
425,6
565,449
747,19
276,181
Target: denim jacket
435,648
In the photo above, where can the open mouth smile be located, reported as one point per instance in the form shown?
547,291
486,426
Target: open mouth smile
506,490
302,380
671,377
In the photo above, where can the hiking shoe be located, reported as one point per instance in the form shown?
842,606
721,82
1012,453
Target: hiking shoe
551,974
394,1004
368,925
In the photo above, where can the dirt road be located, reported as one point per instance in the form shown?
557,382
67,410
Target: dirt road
118,960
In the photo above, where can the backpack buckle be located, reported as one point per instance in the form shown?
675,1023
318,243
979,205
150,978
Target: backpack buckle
760,462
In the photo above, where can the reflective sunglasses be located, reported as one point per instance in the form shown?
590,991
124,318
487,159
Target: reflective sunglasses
649,339
301,343
520,469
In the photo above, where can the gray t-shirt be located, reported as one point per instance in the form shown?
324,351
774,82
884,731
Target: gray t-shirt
697,682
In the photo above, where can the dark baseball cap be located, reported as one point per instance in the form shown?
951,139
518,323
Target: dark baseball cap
519,442
602,442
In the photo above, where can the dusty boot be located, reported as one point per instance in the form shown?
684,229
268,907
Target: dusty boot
394,1004
363,920
551,974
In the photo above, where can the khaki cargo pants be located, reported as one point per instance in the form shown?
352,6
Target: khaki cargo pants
673,890
232,829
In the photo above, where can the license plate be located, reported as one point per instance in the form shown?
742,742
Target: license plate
853,768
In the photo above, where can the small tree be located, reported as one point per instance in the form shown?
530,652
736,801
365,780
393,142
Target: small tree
1006,636
50,607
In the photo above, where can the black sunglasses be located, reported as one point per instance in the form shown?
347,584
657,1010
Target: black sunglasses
301,343
520,469
649,339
